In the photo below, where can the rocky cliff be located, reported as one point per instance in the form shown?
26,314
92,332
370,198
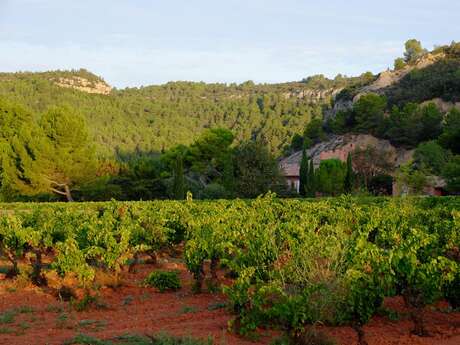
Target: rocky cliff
338,146
82,84
384,80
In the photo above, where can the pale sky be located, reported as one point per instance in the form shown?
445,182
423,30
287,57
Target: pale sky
140,42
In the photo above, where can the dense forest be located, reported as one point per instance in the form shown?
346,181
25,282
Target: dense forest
62,137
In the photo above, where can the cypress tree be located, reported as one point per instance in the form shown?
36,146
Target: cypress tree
228,178
311,188
349,177
303,174
178,179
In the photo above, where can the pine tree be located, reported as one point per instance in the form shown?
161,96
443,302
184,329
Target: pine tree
179,179
349,177
311,187
303,174
68,155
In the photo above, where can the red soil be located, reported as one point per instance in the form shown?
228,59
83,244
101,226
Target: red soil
139,310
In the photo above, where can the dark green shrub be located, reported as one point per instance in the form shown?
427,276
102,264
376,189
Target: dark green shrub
452,292
164,280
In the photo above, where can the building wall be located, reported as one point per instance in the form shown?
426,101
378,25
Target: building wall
340,153
293,183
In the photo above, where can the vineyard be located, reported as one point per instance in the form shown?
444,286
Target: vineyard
287,264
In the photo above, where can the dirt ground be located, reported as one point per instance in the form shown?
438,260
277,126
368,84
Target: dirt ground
31,316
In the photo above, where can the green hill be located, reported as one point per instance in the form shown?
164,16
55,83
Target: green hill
156,118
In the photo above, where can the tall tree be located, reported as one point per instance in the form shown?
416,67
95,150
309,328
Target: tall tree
369,162
21,141
399,64
331,176
256,170
68,156
450,137
314,132
369,113
349,177
303,174
311,185
413,51
178,179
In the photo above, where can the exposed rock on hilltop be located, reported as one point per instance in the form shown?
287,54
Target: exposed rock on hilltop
388,78
384,81
84,85
312,94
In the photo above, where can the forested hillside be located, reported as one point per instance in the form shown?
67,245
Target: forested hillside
155,118
69,134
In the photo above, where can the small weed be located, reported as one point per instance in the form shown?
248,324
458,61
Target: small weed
88,302
25,309
145,296
218,305
11,289
93,325
6,330
7,317
212,286
127,300
54,308
309,337
83,339
389,313
188,309
62,321
132,339
164,280
22,327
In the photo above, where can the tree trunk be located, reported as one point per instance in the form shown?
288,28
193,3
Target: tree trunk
419,324
14,271
213,268
360,332
199,278
67,193
37,277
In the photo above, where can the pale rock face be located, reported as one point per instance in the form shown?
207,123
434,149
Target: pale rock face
312,94
339,146
443,105
84,85
384,80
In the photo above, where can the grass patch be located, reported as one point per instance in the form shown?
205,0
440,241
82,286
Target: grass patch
84,339
188,309
6,330
127,300
7,317
93,325
310,337
87,302
389,313
54,309
62,321
163,280
25,309
216,306
133,339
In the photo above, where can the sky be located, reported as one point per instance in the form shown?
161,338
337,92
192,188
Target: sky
139,42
